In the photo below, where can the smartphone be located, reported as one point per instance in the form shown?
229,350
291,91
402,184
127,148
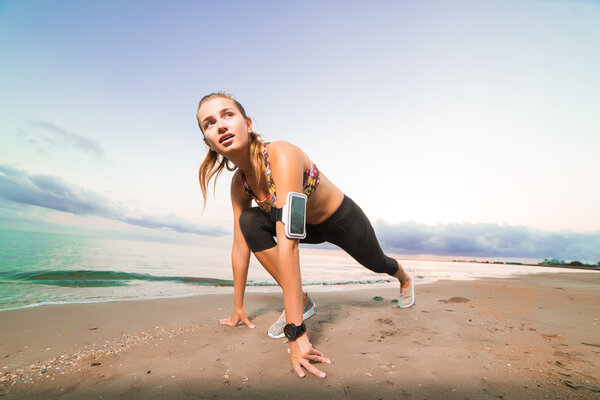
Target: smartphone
294,215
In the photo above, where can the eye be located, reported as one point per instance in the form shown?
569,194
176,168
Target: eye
208,124
229,114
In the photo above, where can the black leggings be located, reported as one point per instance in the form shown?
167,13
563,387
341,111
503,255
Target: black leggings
348,227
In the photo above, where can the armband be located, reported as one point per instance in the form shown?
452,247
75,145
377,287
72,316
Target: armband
293,215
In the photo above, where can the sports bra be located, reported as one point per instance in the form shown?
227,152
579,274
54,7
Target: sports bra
311,182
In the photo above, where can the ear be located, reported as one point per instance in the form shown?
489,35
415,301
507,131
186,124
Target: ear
249,123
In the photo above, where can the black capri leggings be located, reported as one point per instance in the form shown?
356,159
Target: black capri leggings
348,227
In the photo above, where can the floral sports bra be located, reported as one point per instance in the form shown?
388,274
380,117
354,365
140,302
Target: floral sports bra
311,182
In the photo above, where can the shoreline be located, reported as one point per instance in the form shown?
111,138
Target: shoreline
481,338
262,287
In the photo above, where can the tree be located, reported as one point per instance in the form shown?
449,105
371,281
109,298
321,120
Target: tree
576,263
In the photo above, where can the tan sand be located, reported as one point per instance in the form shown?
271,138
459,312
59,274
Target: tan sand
527,337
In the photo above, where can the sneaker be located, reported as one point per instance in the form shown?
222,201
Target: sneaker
407,296
276,330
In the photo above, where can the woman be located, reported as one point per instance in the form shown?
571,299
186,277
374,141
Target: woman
269,171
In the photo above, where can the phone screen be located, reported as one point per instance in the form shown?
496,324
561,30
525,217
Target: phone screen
297,217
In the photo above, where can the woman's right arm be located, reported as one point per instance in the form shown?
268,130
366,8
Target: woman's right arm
240,254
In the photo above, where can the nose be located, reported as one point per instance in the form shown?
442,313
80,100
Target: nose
221,126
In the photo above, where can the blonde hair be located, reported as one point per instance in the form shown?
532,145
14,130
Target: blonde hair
213,163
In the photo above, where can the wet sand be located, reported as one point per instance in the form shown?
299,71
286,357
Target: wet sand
524,337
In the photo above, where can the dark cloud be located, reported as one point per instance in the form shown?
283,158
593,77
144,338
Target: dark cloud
55,193
42,134
487,240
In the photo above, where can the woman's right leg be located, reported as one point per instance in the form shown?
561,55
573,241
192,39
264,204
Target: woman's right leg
350,229
269,259
258,230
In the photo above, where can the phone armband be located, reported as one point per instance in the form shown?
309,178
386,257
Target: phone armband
293,215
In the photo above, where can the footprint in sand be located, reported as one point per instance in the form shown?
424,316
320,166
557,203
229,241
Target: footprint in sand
454,300
391,331
550,336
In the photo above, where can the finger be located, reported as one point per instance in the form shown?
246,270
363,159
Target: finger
315,352
319,359
312,369
248,323
298,369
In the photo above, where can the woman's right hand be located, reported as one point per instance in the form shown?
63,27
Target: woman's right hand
238,317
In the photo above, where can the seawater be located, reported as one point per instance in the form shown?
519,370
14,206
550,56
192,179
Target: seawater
49,268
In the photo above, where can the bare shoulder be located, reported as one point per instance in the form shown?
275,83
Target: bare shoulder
283,149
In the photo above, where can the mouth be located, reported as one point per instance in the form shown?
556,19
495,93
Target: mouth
225,137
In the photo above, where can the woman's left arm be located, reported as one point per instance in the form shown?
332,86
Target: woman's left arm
287,167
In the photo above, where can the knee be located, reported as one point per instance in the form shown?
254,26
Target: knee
250,220
258,229
384,265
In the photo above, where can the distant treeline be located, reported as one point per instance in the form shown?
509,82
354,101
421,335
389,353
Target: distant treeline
548,261
552,261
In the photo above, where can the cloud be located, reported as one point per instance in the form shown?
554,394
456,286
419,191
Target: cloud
42,134
487,240
458,239
55,193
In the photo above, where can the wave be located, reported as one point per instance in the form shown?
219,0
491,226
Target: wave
325,283
88,278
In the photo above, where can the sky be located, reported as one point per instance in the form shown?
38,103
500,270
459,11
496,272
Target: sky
461,128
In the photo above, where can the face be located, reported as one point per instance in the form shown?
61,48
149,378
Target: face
225,128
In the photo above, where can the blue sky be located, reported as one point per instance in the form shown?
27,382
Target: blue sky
467,122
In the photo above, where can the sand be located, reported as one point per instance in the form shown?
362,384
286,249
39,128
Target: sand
524,337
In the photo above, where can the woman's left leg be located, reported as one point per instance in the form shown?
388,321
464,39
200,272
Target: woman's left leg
350,229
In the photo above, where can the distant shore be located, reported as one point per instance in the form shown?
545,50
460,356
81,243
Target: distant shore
527,337
568,266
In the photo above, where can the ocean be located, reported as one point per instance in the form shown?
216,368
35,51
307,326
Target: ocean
50,268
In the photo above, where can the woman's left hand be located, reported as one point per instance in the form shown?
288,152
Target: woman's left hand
301,353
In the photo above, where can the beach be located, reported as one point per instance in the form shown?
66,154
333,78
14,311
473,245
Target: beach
528,336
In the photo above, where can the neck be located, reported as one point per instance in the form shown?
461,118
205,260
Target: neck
242,161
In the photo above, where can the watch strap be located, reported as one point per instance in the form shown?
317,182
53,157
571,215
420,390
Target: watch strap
297,331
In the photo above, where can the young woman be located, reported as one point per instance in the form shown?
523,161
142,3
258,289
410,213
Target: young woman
266,173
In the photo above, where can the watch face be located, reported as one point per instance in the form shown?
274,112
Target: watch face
290,331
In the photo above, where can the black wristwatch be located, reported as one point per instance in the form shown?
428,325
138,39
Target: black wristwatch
293,332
